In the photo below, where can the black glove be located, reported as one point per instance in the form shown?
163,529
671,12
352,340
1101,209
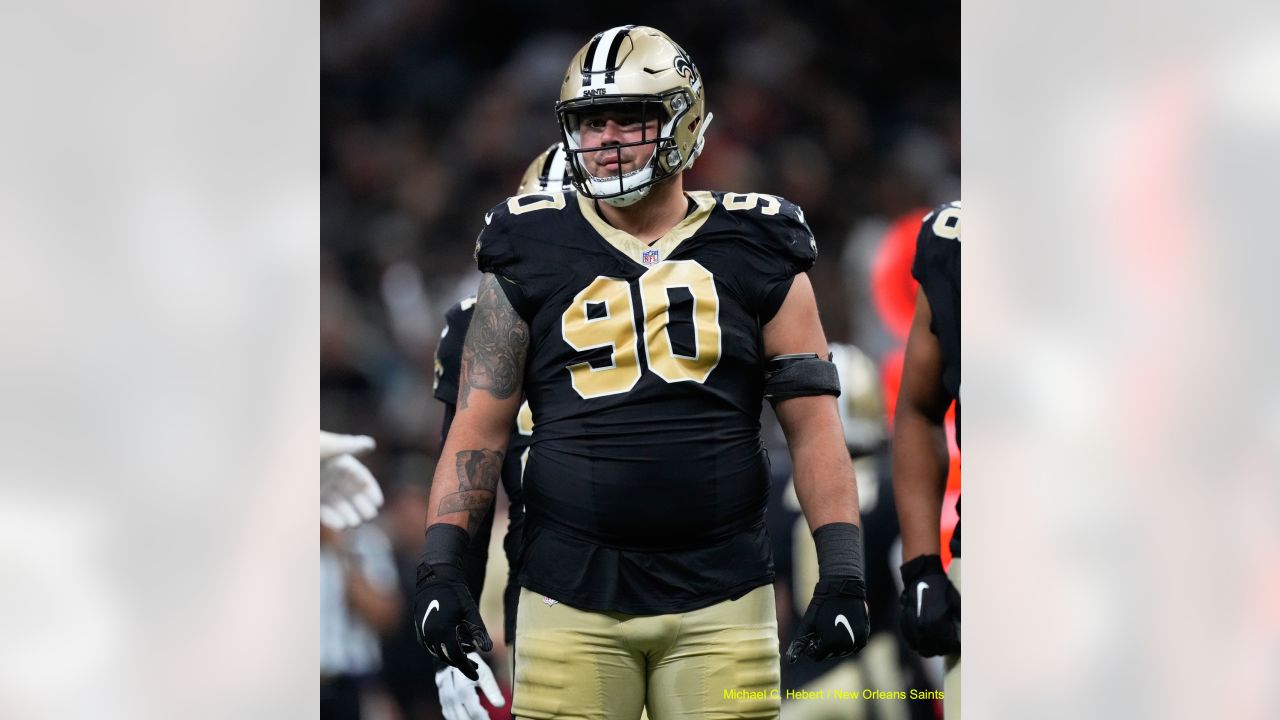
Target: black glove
930,608
445,617
836,623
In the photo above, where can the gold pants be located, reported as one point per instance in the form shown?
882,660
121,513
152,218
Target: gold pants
717,662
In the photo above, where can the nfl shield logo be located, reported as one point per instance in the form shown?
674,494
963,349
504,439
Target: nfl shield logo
649,257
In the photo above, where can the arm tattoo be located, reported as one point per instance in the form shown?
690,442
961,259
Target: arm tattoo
478,475
494,352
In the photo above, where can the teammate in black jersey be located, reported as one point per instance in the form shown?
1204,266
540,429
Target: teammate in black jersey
458,698
645,325
930,383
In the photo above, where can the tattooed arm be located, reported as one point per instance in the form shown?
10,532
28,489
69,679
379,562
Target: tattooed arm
489,391
445,617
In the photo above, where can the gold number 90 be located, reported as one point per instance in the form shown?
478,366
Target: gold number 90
615,327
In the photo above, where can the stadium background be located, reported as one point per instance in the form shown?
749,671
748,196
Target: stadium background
431,110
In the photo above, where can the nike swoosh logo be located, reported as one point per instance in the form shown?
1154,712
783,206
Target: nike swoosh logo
488,217
840,619
435,605
920,588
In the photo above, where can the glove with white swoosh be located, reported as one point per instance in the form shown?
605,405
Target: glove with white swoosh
445,616
458,697
930,608
836,623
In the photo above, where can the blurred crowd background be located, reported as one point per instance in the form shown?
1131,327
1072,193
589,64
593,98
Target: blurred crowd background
431,110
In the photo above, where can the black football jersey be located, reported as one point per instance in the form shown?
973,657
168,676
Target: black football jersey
937,269
447,371
646,482
449,350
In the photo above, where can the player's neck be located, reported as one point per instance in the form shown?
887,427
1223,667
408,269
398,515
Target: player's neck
652,217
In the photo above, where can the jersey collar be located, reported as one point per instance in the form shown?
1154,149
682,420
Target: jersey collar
628,245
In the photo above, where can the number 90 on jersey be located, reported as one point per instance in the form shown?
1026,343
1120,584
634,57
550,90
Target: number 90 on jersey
603,315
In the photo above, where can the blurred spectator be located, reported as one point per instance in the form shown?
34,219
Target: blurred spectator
358,601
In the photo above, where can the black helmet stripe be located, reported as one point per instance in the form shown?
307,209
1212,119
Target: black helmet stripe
587,60
545,173
602,54
557,170
613,52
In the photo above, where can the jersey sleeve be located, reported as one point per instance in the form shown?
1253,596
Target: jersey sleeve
939,234
508,244
937,268
937,254
780,247
449,351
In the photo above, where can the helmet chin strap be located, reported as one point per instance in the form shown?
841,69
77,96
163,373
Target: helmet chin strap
629,198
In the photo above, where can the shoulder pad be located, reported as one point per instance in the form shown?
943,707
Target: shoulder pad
512,216
943,223
937,256
781,221
460,309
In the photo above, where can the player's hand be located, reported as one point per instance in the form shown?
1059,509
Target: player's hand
349,494
836,623
930,608
446,620
458,698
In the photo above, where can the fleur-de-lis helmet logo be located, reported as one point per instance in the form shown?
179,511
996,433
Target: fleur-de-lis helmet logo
685,67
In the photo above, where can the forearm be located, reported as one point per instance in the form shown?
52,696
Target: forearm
475,559
920,462
467,476
828,494
824,480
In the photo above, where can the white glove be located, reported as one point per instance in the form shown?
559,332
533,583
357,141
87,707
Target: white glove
334,444
458,697
348,493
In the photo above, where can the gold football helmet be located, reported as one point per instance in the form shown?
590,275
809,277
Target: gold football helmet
641,68
549,172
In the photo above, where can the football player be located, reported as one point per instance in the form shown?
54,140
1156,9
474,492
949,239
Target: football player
645,325
458,698
930,383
